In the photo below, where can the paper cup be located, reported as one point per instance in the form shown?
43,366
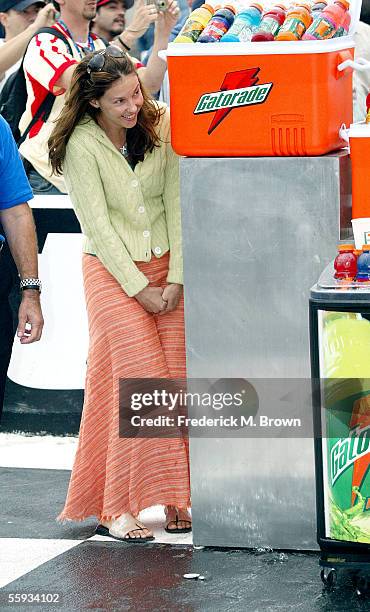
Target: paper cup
361,231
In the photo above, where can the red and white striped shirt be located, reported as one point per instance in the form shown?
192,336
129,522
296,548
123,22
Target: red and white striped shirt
46,59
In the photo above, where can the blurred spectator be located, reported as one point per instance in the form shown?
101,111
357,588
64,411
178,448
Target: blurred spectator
18,226
361,80
153,74
164,94
110,23
49,66
145,42
20,21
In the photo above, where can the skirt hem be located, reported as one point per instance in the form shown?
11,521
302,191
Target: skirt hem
64,519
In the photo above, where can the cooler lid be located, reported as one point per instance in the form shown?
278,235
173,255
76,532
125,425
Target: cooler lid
329,289
260,48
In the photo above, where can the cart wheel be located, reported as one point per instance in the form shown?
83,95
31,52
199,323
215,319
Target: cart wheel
362,585
328,576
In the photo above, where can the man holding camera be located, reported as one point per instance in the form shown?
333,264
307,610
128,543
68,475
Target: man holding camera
109,22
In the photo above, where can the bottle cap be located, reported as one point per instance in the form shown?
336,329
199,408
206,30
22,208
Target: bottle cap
366,247
346,247
257,6
343,3
208,7
231,8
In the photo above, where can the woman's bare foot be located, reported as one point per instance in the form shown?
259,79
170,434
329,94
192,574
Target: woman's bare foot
127,527
178,520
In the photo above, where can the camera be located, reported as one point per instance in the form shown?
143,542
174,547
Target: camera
161,5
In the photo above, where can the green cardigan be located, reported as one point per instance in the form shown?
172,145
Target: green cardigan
126,215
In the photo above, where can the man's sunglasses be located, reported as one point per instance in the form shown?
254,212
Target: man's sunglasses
96,64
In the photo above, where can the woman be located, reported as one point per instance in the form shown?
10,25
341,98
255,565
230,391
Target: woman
113,145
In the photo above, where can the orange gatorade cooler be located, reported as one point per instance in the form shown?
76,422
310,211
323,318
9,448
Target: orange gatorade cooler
359,139
261,99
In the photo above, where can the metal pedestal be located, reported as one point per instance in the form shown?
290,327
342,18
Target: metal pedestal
256,234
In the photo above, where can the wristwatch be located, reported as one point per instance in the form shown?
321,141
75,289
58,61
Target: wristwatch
31,283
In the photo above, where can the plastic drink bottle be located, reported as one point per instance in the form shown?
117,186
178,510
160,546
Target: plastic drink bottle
368,108
345,263
195,24
297,20
271,23
363,264
330,20
244,24
221,21
344,28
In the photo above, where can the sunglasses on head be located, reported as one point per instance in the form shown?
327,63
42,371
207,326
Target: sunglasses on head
96,64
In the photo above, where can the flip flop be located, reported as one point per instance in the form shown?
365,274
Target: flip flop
121,527
176,521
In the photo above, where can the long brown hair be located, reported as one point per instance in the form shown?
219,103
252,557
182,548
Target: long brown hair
87,86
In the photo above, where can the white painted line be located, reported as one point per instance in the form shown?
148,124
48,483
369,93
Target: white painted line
20,556
40,452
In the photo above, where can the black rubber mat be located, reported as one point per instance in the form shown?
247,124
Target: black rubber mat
30,501
107,576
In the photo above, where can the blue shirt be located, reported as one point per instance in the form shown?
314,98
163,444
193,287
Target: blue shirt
14,186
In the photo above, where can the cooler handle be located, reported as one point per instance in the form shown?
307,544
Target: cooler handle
344,133
359,64
163,54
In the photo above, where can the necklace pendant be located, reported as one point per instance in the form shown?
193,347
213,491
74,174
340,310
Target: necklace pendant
124,151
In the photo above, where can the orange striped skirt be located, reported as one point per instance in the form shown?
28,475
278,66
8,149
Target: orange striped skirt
113,475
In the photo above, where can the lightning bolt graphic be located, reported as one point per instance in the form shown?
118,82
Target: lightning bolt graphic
234,80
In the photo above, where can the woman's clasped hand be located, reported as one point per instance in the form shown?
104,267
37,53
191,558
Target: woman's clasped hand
156,300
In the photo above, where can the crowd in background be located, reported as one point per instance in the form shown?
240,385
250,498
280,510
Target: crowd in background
41,44
89,25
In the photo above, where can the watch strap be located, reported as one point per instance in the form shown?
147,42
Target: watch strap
30,283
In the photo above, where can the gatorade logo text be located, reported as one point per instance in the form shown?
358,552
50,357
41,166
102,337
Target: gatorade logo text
347,450
238,89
